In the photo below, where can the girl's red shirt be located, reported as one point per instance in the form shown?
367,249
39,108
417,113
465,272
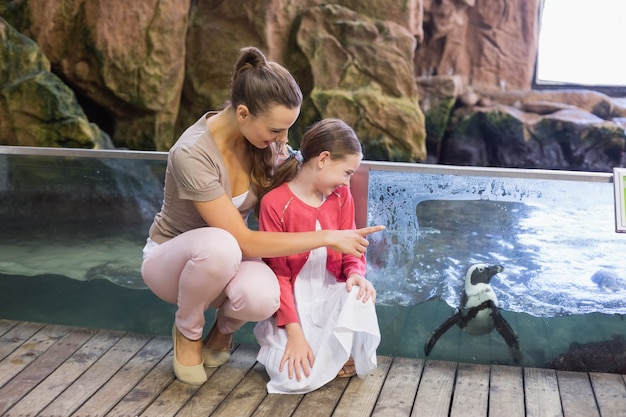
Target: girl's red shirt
283,211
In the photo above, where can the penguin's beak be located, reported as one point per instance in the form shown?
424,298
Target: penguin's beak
494,269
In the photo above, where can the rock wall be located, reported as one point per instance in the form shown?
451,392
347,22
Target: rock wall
124,60
406,73
36,107
489,42
578,130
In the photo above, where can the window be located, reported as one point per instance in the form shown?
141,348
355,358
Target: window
581,44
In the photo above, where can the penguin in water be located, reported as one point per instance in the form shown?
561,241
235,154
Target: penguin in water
478,313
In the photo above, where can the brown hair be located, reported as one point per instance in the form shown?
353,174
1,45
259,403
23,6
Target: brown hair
260,84
332,135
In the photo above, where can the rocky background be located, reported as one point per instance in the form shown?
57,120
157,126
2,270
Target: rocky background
447,81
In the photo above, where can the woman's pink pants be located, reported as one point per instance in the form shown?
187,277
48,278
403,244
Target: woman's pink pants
203,268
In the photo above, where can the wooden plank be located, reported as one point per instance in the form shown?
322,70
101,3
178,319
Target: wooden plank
506,391
126,378
247,396
434,393
278,405
185,400
59,370
322,401
471,391
542,393
400,388
100,372
359,397
66,374
149,388
281,405
16,335
41,367
171,399
29,351
576,393
6,325
610,392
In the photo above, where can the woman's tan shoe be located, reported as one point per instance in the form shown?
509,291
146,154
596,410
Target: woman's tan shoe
215,357
194,374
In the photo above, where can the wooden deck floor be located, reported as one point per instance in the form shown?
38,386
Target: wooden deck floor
50,370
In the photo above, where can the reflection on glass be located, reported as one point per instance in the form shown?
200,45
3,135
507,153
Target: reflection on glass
552,237
83,218
72,229
563,287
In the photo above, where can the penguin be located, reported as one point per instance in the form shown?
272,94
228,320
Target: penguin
478,313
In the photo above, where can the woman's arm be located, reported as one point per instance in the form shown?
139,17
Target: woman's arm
350,264
222,213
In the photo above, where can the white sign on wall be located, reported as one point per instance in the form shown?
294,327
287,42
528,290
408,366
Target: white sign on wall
619,183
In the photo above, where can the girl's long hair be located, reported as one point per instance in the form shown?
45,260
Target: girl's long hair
332,135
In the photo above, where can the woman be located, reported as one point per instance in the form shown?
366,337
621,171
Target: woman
200,252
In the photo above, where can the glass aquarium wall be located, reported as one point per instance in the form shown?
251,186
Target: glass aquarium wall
72,227
549,287
559,270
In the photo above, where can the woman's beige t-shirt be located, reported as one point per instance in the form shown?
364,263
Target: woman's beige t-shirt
195,172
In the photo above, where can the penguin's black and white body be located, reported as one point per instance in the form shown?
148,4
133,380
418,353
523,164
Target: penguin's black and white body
478,313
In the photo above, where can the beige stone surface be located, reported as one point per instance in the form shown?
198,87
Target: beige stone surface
491,42
360,73
36,107
127,58
144,70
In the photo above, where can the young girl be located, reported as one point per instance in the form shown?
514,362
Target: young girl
326,325
200,253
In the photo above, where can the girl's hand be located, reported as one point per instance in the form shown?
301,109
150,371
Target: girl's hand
352,242
366,289
298,354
